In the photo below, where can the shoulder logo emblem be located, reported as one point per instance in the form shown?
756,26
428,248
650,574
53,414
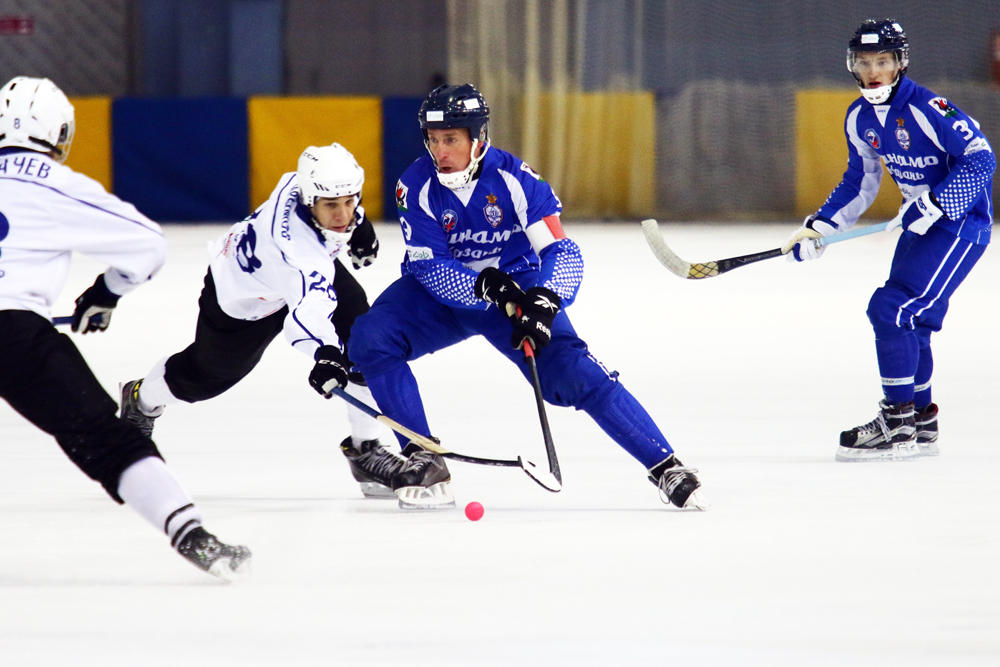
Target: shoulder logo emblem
871,136
401,191
941,105
525,168
494,214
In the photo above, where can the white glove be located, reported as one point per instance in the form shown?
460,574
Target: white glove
917,215
799,246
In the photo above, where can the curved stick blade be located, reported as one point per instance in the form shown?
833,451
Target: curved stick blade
544,478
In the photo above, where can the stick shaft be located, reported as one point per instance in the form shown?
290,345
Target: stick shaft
422,440
550,447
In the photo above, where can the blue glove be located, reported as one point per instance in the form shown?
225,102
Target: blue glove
917,215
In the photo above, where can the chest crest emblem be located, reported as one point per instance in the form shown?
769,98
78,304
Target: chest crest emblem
448,220
871,136
494,214
902,135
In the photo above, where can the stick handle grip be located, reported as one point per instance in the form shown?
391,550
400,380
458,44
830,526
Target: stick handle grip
851,234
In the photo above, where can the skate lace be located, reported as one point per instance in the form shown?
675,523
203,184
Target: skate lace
671,479
877,424
381,462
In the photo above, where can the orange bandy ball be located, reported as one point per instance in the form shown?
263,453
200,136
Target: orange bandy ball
474,511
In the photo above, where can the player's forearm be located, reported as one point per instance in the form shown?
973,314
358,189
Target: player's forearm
959,191
562,269
449,282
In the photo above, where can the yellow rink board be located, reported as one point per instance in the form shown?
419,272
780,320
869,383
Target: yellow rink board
603,162
281,128
821,153
90,153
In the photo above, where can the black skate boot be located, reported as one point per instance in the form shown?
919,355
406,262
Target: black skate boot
927,430
424,482
373,467
224,561
677,484
130,408
891,436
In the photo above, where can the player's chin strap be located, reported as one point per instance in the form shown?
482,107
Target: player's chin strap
460,178
342,237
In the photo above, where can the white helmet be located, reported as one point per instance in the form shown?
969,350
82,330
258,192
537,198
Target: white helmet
329,171
35,114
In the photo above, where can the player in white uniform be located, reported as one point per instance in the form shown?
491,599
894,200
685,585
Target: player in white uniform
276,271
47,212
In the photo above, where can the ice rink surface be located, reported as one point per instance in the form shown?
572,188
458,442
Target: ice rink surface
751,375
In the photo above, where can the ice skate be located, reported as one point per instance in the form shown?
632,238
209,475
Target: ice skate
927,430
131,412
677,484
373,467
891,436
222,560
424,482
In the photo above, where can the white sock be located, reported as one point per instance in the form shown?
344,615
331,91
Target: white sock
149,488
154,392
363,427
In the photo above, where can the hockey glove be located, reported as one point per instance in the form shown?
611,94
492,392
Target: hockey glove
363,246
94,307
800,247
330,371
917,215
497,287
538,308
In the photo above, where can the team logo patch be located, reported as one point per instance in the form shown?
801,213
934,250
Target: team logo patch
902,135
525,168
448,220
941,105
401,191
871,136
246,251
494,214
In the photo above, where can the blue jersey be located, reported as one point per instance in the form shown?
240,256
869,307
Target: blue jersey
498,219
926,144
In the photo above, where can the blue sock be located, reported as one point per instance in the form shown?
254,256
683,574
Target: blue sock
632,428
897,363
922,380
398,398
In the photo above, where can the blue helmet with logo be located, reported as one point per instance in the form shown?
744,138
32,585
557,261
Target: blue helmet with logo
449,107
879,36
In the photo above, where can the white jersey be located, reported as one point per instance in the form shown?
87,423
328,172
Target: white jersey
48,211
277,258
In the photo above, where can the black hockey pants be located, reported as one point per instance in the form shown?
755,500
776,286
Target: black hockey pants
225,349
46,379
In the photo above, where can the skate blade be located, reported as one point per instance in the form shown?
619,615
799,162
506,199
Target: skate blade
224,569
544,478
376,490
435,497
905,451
929,449
696,501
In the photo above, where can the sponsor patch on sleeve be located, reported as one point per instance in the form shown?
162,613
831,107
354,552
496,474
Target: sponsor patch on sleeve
417,253
976,145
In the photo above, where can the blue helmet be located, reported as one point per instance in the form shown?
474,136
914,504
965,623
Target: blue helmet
447,107
879,36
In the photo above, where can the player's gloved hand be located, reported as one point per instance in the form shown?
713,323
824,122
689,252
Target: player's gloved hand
330,371
497,287
94,307
363,246
538,308
800,247
917,215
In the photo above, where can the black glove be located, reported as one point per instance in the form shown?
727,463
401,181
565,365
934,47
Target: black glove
95,307
363,246
330,371
497,287
539,307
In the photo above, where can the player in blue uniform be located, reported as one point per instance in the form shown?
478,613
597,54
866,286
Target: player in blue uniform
482,231
944,168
